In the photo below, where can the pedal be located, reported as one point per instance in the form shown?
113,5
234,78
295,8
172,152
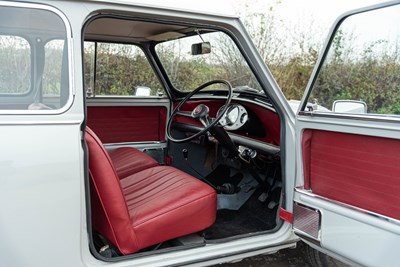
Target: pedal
272,205
247,188
263,197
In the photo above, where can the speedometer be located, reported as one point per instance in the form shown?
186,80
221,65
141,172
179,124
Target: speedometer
232,115
234,118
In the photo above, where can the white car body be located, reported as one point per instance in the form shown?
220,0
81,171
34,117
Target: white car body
44,214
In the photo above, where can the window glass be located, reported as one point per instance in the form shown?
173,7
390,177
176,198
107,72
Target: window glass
52,73
223,61
113,69
34,60
15,67
361,73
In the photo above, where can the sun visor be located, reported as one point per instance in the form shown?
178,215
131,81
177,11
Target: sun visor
165,36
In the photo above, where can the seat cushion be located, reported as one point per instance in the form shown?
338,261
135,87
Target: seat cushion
128,160
164,203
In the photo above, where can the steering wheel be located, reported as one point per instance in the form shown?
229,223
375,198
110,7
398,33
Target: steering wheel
200,112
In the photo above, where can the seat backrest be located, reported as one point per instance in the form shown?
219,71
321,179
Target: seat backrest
110,215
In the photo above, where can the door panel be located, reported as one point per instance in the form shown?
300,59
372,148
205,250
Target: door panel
358,170
349,173
116,123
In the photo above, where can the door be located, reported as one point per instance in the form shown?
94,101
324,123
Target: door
41,153
347,200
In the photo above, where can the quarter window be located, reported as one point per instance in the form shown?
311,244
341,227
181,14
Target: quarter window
34,72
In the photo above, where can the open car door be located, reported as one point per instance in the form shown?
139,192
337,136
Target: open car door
347,199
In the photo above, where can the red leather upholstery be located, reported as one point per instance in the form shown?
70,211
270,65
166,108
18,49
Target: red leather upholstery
360,170
128,160
164,203
153,205
117,124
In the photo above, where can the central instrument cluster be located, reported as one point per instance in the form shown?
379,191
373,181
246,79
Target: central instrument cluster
234,118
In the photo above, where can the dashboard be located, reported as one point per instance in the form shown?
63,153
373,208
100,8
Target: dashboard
251,119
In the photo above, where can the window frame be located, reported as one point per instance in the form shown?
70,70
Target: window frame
145,54
68,40
303,108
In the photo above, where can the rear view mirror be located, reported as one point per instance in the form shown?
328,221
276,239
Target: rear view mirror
349,106
201,48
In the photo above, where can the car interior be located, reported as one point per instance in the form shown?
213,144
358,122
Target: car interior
183,141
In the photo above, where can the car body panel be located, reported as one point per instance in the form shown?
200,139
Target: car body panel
45,173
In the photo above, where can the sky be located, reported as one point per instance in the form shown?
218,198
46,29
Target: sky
322,13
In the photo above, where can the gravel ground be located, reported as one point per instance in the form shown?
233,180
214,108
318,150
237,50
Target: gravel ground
283,258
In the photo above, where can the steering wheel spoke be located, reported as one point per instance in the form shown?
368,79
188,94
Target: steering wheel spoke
184,113
200,113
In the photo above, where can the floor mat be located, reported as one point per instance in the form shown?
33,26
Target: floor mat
254,216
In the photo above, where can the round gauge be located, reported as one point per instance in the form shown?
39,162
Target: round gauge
234,118
232,115
244,118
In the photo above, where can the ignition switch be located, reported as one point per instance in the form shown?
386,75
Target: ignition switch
246,152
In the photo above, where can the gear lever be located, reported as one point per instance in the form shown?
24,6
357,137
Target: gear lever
226,188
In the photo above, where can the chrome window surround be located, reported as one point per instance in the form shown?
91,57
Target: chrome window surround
68,31
362,117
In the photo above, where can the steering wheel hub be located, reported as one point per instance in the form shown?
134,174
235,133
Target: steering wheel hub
200,111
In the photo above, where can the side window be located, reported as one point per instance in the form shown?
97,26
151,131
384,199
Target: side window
34,73
361,72
15,67
113,69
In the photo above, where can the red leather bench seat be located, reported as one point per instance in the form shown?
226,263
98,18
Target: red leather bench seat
128,161
153,205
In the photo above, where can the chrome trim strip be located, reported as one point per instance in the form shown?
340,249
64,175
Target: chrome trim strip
303,235
126,101
255,144
307,236
259,102
71,76
148,143
37,122
309,193
364,117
